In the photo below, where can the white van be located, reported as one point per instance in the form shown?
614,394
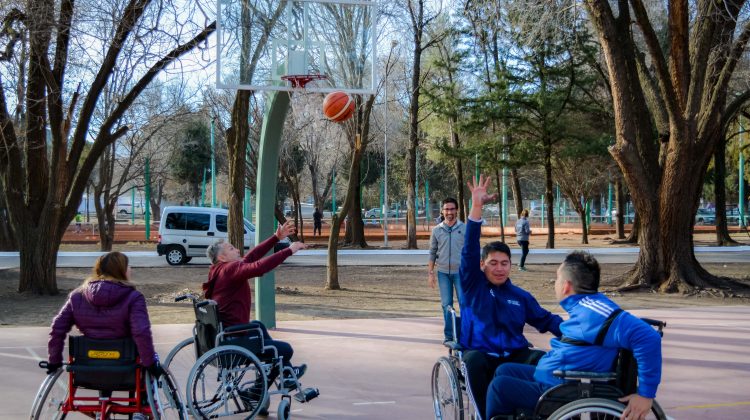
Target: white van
186,232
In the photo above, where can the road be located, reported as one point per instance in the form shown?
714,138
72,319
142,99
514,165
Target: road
390,257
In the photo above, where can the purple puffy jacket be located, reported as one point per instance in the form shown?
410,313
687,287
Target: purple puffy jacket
104,310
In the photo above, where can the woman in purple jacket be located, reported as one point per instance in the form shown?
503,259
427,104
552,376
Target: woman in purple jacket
105,306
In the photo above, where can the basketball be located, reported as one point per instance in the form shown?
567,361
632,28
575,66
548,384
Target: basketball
338,106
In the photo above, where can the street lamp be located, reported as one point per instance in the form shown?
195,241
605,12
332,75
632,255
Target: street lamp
394,43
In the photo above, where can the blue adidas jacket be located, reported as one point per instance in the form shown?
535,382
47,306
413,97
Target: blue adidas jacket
587,313
493,317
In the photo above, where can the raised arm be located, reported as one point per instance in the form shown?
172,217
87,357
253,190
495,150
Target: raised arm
469,272
262,248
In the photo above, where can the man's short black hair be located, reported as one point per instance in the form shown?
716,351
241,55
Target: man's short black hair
582,270
496,246
449,200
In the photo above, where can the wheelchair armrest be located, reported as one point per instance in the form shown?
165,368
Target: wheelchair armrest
580,375
241,328
453,345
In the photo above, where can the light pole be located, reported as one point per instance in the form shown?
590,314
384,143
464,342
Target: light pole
385,149
213,166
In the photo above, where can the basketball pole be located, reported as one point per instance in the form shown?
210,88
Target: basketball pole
268,169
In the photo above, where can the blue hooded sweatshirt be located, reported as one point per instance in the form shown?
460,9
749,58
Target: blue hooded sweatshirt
587,314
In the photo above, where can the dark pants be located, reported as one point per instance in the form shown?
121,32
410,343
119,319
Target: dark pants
316,227
524,251
284,350
480,367
513,388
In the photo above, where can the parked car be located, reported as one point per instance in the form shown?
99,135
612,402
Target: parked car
705,217
733,216
186,232
125,209
377,213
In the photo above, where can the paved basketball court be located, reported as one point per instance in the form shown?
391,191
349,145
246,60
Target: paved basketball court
380,368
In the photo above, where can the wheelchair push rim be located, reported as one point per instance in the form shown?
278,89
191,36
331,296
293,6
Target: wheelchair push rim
164,398
446,391
221,384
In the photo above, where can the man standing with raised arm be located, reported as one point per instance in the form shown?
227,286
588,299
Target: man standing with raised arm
494,310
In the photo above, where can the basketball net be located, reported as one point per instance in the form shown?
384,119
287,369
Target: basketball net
303,104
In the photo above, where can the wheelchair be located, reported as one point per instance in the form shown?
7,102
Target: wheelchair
584,395
451,393
222,373
104,381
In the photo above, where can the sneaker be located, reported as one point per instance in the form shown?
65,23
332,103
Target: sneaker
300,370
522,269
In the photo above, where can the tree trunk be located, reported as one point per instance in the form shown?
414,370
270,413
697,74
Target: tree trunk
7,238
548,194
515,186
620,206
355,225
584,228
237,137
720,169
332,271
37,247
498,180
458,172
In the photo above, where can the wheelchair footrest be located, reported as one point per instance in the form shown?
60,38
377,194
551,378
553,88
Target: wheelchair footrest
307,394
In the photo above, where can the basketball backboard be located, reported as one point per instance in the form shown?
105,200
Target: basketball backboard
260,41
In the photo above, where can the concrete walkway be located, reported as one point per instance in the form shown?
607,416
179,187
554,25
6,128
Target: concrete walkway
380,368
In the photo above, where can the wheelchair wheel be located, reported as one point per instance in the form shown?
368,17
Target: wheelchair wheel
447,398
180,361
51,396
600,409
283,412
225,381
164,398
589,409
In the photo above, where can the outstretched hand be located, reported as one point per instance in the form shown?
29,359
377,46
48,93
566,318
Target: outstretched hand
296,246
286,229
638,407
479,193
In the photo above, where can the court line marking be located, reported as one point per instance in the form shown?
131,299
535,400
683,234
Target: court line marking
719,405
19,356
34,354
374,403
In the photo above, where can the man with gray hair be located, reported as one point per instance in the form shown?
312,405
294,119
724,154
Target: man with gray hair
228,284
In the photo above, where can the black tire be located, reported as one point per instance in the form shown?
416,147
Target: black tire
164,398
50,397
227,380
599,409
176,255
283,412
447,398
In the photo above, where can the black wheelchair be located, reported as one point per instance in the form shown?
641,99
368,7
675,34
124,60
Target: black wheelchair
584,395
222,373
105,381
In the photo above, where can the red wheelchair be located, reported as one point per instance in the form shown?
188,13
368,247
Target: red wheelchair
103,380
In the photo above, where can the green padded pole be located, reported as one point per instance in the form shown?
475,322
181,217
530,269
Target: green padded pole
268,170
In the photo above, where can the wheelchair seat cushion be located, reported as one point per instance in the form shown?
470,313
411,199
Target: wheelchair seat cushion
105,365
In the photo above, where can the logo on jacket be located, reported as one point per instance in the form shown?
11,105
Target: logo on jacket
513,302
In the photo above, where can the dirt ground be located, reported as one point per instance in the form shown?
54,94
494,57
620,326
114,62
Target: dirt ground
367,292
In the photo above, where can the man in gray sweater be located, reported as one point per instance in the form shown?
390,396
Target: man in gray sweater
446,242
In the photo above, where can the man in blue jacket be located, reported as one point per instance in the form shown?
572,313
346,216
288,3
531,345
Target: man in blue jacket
583,347
493,310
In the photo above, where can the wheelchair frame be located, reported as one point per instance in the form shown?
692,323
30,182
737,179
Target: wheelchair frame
584,393
105,404
234,387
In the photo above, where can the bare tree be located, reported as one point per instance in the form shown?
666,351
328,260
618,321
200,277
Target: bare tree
43,169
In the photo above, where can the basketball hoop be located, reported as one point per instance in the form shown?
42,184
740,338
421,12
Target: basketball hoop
298,81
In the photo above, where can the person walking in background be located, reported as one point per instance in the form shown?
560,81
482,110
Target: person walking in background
79,220
317,221
446,242
523,231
